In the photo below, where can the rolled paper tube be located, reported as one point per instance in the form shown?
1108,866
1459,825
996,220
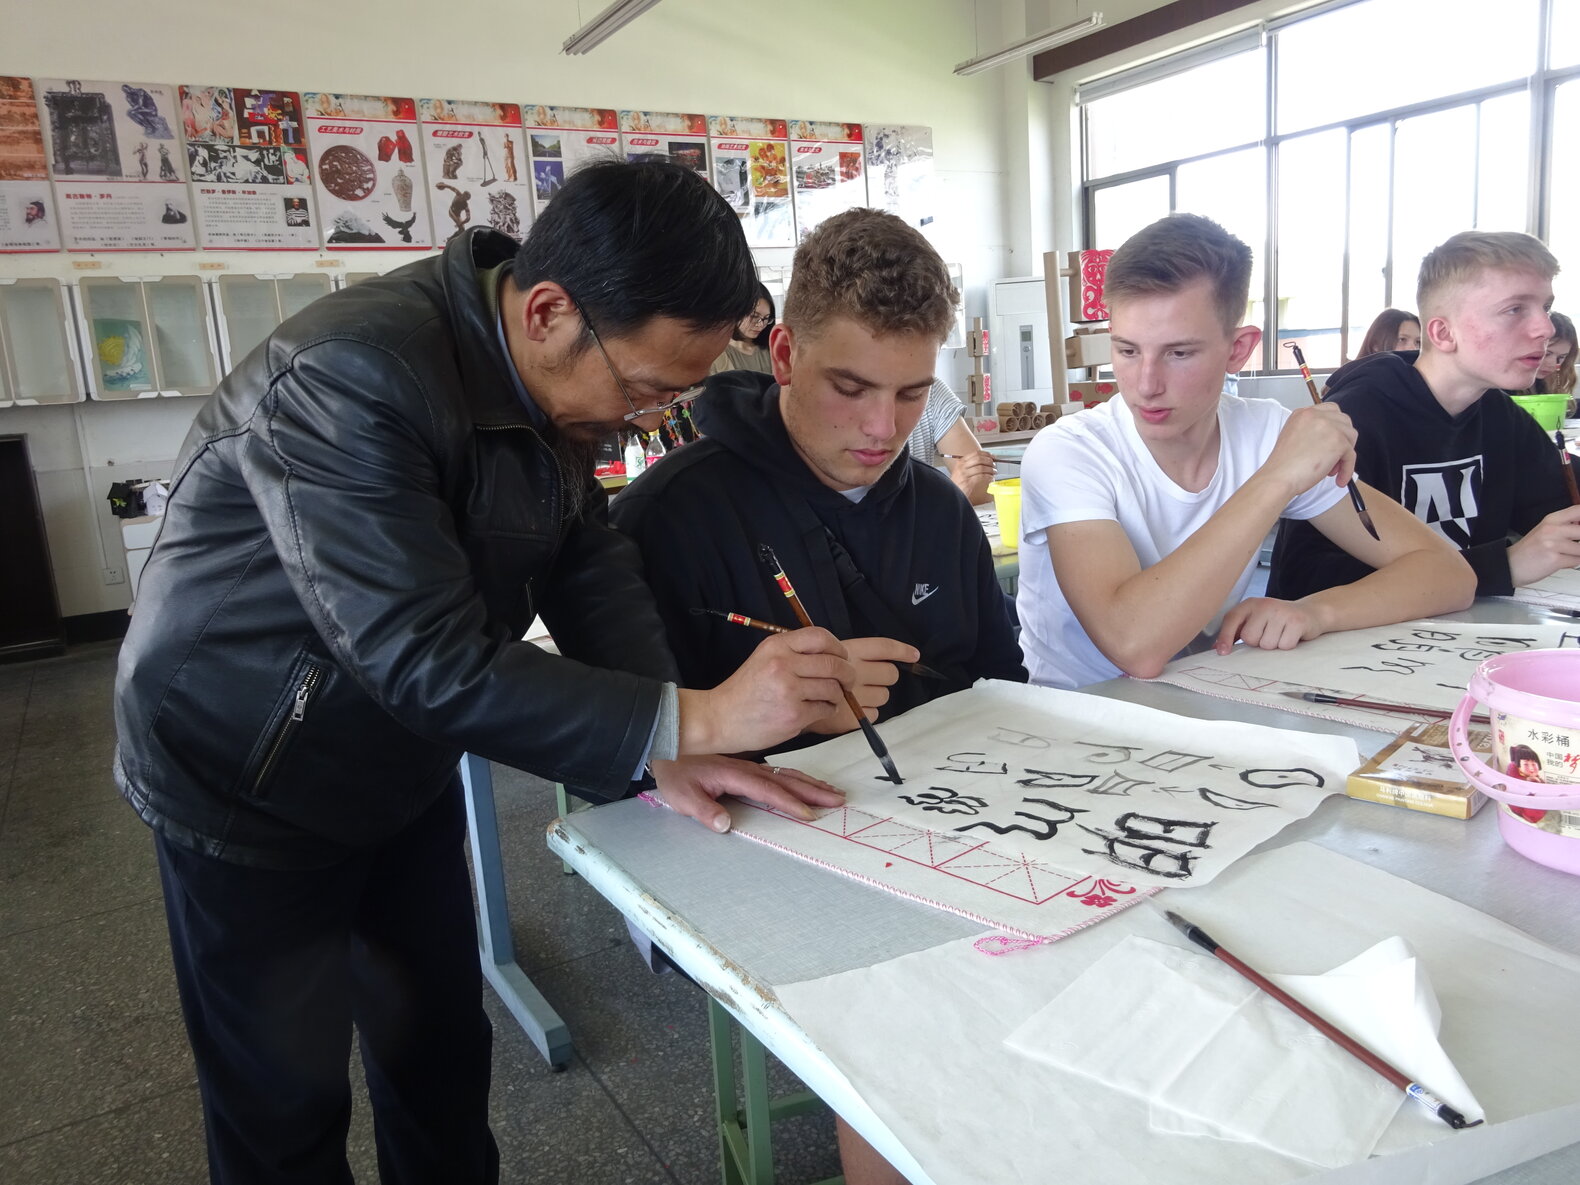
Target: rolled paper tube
1039,421
1006,423
1048,409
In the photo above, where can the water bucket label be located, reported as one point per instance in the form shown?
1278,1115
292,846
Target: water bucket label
1531,751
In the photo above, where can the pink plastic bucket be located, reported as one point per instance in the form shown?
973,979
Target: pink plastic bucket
1531,700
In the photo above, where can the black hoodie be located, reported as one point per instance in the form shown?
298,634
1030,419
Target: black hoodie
1474,478
918,569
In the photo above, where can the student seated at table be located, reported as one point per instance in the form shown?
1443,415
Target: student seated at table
882,550
1141,518
1439,432
943,437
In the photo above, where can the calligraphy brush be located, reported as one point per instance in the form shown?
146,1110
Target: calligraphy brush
1342,1039
1569,469
768,627
879,749
1318,697
1316,397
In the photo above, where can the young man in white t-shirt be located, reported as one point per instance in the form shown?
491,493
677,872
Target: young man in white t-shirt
1141,519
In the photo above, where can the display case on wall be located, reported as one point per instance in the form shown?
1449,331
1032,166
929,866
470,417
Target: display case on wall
349,278
148,337
38,352
250,307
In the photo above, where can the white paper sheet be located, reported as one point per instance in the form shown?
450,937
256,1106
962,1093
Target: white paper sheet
1038,811
920,1038
1561,590
1424,664
1201,1044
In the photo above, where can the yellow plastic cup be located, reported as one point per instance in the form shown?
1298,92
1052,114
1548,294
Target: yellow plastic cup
1006,500
1547,409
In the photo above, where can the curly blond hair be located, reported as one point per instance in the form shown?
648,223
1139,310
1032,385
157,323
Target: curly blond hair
870,266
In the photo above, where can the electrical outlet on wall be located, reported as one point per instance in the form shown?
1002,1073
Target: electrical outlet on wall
113,575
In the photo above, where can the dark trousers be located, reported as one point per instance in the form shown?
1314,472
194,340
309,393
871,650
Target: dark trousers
275,967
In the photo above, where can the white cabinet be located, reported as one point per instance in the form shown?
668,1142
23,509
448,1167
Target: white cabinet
38,352
148,337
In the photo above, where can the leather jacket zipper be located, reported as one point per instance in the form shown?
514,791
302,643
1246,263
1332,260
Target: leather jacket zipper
304,693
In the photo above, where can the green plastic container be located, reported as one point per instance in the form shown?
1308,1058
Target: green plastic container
1548,409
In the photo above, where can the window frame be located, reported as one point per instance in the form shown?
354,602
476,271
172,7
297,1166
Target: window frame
1540,86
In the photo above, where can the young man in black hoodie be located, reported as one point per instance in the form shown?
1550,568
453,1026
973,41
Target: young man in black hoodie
885,553
1439,433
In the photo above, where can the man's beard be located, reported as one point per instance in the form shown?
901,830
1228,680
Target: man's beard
574,458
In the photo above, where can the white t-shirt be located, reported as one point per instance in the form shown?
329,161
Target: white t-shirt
1094,466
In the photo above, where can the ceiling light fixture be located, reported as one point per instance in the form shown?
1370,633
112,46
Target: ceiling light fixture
606,24
1031,45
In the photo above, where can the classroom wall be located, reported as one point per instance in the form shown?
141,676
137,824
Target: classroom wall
874,61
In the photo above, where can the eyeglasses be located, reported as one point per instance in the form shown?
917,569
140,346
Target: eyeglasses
758,318
636,413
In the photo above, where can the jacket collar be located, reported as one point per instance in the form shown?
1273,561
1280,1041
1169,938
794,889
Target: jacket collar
487,373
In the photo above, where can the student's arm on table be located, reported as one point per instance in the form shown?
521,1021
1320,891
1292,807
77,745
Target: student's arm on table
1550,526
970,466
1418,574
1141,617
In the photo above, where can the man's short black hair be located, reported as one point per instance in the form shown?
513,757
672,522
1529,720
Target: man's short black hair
635,240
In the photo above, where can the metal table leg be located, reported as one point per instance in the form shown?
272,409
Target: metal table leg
526,1003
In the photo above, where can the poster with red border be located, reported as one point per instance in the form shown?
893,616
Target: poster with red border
28,220
371,192
117,163
561,138
751,169
252,185
477,167
666,135
827,171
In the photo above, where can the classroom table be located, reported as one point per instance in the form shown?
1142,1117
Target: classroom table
740,918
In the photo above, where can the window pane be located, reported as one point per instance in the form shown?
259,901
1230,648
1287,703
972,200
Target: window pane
1232,191
1563,198
1118,211
1504,166
1217,105
1389,53
1370,164
1311,247
1564,44
1434,181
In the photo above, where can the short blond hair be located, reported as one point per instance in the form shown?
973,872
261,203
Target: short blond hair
1470,253
874,268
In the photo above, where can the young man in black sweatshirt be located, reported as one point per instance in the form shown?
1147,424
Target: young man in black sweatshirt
1439,433
884,552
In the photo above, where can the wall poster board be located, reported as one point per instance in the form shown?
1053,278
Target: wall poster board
251,181
664,135
28,220
118,166
365,155
477,167
900,171
751,169
561,138
826,161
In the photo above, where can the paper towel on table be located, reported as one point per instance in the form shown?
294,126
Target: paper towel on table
1214,1055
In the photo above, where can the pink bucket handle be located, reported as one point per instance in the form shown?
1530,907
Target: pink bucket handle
1495,785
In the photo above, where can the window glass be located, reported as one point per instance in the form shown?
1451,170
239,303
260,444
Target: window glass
1563,44
1391,53
1563,197
1118,211
1311,192
1216,105
1371,163
1434,187
1503,164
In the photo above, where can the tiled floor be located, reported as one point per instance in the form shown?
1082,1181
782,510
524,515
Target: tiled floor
98,1084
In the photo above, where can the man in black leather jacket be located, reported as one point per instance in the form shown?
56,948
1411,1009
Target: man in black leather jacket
365,517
